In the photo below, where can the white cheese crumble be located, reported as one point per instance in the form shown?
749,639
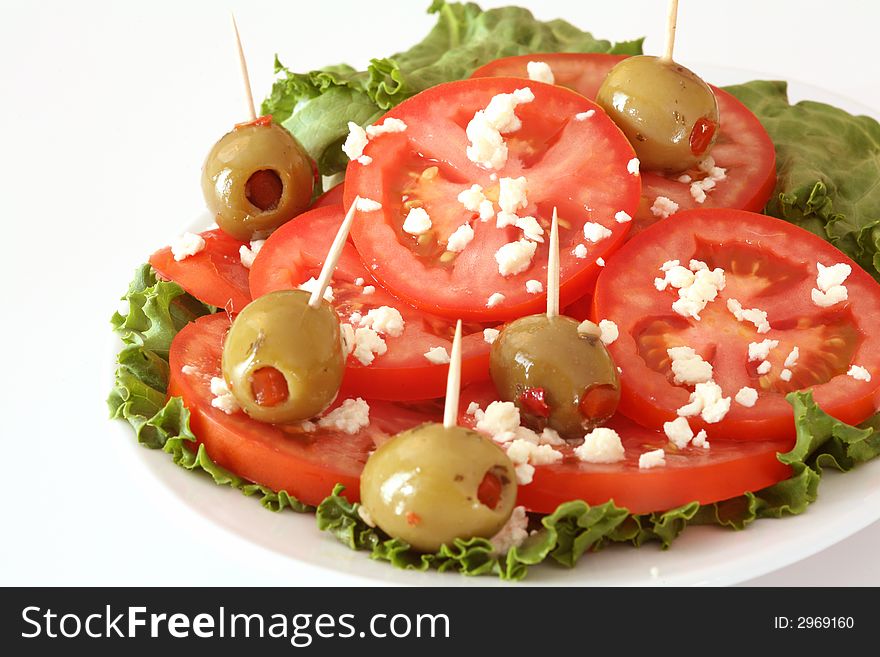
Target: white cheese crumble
359,281
187,245
580,251
346,332
355,142
490,335
223,397
352,416
494,299
764,367
515,257
524,451
654,459
498,418
583,116
364,160
609,331
601,445
513,533
707,401
513,194
484,132
633,166
540,72
684,179
754,315
312,284
249,254
688,367
746,397
600,262
437,355
693,298
367,205
367,345
504,219
663,207
387,126
460,238
622,217
369,289
594,232
700,440
531,229
524,473
417,222
761,350
859,373
830,298
792,358
473,199
534,287
830,290
384,319
679,432
785,375
589,329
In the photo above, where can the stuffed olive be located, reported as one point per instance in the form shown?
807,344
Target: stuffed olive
558,376
668,113
428,486
282,359
256,178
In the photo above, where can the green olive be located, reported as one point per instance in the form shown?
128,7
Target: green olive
668,113
423,486
283,359
557,375
256,178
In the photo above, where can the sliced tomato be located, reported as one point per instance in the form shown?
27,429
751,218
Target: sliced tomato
578,167
331,197
724,471
743,147
770,265
305,464
296,251
214,275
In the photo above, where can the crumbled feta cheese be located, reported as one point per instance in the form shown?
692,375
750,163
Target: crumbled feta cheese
487,147
369,289
355,318
601,445
501,109
688,367
494,299
609,331
859,373
498,418
364,160
754,315
764,367
830,298
697,265
359,281
600,262
540,72
187,245
513,194
504,219
707,401
531,229
633,166
580,251
693,298
653,459
583,116
249,254
746,397
352,416
346,331
437,355
355,142
307,426
684,178
515,257
473,198
387,126
669,264
365,515
663,207
829,277
700,187
472,408
384,319
524,474
679,432
534,287
487,210
550,437
700,440
312,284
367,205
513,533
367,345
223,397
594,232
792,358
622,217
523,451
785,375
675,276
417,222
490,335
589,329
460,238
761,350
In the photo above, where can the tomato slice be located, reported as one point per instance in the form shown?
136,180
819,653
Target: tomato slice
770,265
724,471
305,464
331,197
743,147
296,251
214,275
579,167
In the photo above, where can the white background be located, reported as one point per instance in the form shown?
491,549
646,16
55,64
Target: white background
107,110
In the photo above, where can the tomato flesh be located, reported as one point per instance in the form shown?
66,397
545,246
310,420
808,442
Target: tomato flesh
770,265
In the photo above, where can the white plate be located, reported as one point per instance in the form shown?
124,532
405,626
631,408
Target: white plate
700,556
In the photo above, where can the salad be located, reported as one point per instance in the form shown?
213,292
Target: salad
656,293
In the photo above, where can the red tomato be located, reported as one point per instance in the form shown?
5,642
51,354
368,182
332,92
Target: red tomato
743,146
306,465
295,252
331,197
770,265
579,167
725,470
214,275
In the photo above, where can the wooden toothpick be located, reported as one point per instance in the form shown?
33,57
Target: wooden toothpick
333,256
453,381
671,20
249,97
553,269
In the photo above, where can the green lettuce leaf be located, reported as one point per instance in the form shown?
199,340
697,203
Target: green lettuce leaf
828,165
317,106
157,310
